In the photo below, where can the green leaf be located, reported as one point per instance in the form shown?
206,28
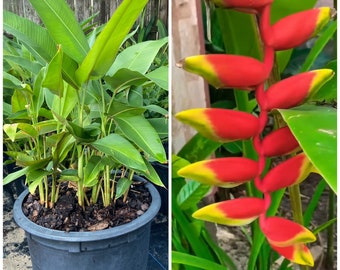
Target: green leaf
101,56
138,57
187,259
91,171
139,130
18,101
53,78
151,174
313,203
34,178
324,226
123,186
191,194
15,175
38,93
10,81
161,126
28,64
125,77
120,150
38,42
63,146
11,130
323,39
63,27
198,148
160,77
240,34
315,128
158,109
117,109
283,8
69,175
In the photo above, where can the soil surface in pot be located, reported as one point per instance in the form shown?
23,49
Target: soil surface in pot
67,215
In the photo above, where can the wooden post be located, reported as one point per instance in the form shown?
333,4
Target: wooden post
188,90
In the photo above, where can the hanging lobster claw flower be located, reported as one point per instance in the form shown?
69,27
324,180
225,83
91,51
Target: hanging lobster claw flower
226,71
235,212
222,172
287,173
279,142
249,6
297,253
282,232
220,125
285,35
294,90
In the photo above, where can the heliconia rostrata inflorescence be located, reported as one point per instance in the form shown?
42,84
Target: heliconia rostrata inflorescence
232,71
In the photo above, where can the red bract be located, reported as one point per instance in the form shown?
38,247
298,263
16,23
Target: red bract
282,232
227,71
223,172
221,125
294,90
287,173
279,142
235,212
294,30
297,253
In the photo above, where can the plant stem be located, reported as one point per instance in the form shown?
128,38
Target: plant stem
295,202
329,263
80,175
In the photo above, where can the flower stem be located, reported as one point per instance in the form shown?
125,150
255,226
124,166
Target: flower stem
295,202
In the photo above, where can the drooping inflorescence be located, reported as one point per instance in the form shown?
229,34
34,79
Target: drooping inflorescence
286,237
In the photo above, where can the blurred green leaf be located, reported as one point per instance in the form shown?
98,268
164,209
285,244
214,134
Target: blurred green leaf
315,128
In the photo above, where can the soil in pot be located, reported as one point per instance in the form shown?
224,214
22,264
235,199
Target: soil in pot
68,216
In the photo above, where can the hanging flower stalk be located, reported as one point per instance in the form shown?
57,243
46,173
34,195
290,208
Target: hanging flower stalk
232,71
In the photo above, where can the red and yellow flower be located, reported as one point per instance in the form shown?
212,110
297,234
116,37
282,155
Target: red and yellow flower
235,212
221,125
227,71
222,172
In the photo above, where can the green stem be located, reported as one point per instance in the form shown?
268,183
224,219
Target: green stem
330,232
80,175
295,201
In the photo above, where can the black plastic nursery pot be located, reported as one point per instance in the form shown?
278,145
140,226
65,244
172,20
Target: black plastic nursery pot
123,247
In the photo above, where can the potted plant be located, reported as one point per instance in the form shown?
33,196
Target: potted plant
82,142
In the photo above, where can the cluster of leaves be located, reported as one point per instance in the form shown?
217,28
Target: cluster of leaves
73,108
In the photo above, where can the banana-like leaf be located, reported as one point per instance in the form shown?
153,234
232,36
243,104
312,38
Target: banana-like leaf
91,171
121,150
101,56
191,194
315,128
63,27
123,186
138,57
53,78
139,130
38,41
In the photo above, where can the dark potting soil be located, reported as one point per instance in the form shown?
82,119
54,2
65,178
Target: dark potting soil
67,215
